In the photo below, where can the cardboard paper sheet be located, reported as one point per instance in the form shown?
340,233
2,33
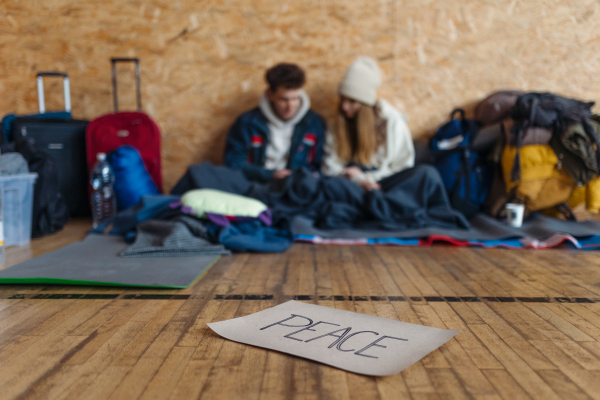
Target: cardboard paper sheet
359,343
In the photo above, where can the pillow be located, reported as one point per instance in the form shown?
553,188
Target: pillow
221,207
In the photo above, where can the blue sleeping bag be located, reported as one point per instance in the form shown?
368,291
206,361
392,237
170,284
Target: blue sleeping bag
132,180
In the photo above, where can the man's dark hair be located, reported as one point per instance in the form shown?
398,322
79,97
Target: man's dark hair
290,76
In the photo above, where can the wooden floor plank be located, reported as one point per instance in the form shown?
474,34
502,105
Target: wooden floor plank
462,283
19,379
560,323
276,381
514,364
409,264
6,303
197,370
576,315
156,316
562,385
145,369
392,387
249,376
86,362
478,353
419,382
380,272
447,385
24,322
227,363
579,354
103,333
505,385
470,376
103,386
394,263
438,277
169,373
529,321
585,380
76,384
512,338
28,365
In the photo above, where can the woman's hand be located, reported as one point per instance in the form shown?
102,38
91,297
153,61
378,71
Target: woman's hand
352,172
282,173
368,185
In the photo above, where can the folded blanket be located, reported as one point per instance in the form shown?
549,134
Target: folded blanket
180,237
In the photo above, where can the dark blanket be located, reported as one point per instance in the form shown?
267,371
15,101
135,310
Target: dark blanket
411,199
182,236
238,236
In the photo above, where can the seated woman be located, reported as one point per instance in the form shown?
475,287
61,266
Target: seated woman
370,139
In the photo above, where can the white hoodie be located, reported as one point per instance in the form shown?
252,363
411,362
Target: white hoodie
281,132
395,155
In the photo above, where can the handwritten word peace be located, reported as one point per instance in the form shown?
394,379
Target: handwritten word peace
342,335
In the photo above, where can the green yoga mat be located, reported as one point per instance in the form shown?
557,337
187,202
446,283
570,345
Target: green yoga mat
95,261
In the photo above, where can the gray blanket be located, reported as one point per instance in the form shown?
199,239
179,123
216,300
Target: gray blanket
482,227
180,237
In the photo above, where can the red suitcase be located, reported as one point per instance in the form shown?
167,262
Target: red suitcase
135,129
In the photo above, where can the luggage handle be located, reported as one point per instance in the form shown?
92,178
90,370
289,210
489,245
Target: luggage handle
66,89
460,111
114,62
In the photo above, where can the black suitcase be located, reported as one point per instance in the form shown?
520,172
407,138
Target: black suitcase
64,140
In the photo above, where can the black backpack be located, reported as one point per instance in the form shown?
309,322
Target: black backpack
50,212
465,172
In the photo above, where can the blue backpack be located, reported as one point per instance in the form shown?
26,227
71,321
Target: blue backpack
465,173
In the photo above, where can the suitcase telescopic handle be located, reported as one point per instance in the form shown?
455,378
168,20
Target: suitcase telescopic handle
114,62
40,86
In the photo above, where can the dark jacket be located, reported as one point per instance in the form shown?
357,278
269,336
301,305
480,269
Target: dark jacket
248,138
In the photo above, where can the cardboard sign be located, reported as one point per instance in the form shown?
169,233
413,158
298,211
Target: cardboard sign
355,342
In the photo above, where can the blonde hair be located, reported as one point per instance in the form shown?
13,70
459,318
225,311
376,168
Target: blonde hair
357,140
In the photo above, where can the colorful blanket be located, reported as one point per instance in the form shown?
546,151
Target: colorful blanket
538,232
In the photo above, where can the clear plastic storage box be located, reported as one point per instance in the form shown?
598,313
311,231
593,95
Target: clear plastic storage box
17,207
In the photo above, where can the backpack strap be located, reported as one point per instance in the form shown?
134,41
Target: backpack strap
460,174
461,117
515,174
460,111
466,158
592,134
464,204
566,211
466,155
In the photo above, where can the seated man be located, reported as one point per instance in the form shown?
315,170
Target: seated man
279,135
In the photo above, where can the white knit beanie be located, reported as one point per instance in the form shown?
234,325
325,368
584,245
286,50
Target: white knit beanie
361,81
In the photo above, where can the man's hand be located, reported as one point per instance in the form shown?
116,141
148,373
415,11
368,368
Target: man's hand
368,185
282,173
352,172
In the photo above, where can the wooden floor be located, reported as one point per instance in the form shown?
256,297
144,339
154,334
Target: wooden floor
529,320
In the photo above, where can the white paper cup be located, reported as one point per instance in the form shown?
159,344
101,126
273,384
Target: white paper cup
514,214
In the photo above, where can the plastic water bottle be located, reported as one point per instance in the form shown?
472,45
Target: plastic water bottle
104,201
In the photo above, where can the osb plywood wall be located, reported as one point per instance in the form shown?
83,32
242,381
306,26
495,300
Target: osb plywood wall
203,61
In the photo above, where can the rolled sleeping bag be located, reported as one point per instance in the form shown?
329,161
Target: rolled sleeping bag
132,180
